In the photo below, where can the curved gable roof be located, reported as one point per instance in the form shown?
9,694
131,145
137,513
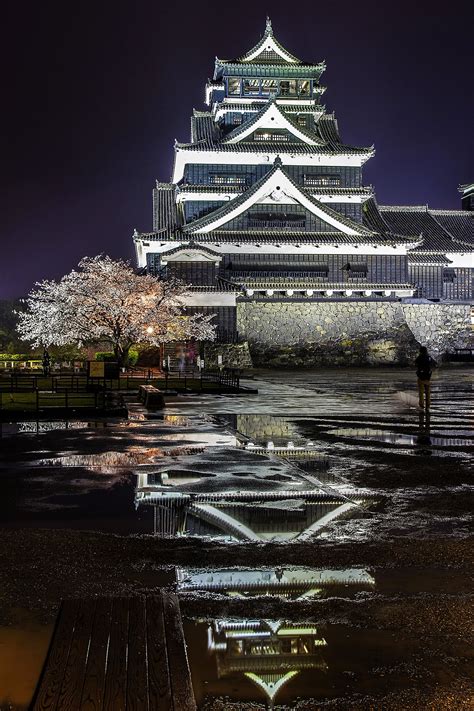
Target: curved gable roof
272,111
266,186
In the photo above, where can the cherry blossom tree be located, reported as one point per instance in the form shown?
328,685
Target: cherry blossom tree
105,300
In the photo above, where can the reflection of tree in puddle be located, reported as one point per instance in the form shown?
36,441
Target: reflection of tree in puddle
42,427
133,456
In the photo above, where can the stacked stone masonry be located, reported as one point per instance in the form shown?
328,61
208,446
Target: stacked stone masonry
297,334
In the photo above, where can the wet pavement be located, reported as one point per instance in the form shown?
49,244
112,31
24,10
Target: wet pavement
319,533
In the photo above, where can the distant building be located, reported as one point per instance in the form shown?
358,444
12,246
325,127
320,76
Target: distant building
267,215
467,192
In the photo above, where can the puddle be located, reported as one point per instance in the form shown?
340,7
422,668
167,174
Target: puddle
257,635
289,582
252,518
413,440
254,659
37,427
272,663
23,649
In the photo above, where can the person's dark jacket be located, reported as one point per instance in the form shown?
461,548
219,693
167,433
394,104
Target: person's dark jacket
424,366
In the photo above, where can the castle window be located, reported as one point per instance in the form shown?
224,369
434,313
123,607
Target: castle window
276,219
269,86
251,86
271,136
449,275
233,86
303,87
227,179
288,87
331,181
355,270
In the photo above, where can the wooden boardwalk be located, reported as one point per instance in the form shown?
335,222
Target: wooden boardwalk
117,654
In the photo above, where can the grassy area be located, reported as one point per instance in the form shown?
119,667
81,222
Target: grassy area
32,401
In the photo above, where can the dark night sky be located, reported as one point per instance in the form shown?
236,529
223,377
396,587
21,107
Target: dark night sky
94,94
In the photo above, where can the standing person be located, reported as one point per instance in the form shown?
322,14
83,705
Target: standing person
46,363
424,365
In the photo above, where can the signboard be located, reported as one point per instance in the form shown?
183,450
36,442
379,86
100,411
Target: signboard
96,369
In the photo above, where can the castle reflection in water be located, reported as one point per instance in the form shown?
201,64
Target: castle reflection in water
268,653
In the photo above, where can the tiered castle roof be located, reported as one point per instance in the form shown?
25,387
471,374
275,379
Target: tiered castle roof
266,167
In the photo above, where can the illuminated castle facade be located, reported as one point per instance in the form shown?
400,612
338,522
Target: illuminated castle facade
267,214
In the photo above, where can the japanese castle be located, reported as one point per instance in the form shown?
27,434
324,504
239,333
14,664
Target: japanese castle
266,203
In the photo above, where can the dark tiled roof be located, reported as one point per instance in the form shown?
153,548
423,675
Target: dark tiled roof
229,206
418,220
192,245
272,54
314,283
274,147
372,217
203,127
288,108
195,188
427,259
459,224
166,215
220,285
304,70
328,130
315,238
163,236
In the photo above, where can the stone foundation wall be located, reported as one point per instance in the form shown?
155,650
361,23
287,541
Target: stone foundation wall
234,355
295,334
440,327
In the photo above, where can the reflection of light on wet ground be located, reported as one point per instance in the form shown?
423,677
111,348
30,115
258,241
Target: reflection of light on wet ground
251,660
41,427
294,582
23,648
329,392
424,438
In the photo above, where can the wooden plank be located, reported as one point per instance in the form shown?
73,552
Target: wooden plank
159,681
182,689
137,691
73,681
53,671
94,683
115,696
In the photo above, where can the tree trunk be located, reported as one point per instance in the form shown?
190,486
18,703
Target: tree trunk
121,354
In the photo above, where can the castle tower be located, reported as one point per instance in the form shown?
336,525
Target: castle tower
267,205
